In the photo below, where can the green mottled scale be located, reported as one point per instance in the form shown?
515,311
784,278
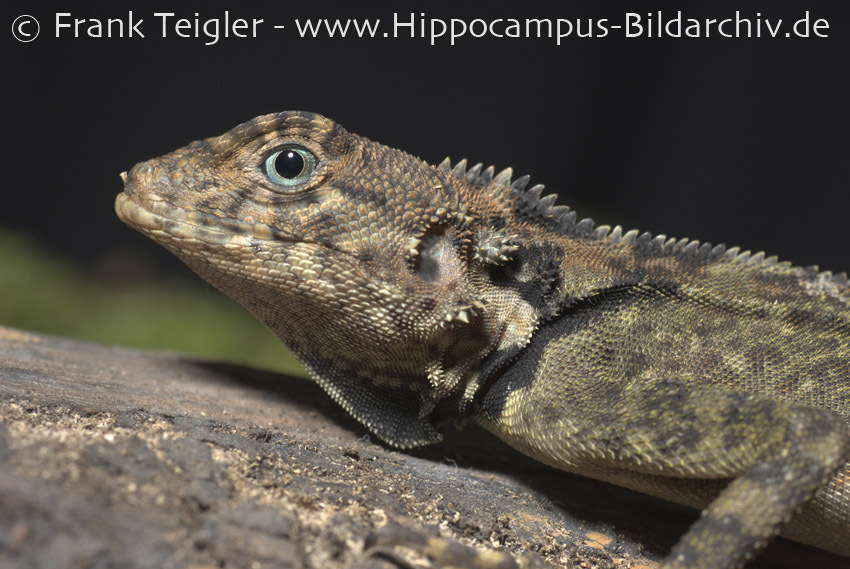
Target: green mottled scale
416,294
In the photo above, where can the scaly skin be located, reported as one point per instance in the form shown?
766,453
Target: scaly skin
417,294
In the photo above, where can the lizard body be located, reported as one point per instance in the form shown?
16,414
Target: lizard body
418,294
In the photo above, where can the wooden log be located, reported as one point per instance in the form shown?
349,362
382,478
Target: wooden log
112,457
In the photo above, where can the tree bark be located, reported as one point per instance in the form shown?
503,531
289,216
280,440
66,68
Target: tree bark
111,457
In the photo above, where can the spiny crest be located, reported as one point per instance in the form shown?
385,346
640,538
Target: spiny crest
531,203
528,202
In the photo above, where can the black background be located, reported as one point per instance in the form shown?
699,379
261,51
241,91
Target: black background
742,141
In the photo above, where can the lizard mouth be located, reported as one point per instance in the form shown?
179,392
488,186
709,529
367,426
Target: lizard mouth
157,217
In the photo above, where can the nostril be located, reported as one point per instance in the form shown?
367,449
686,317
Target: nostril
146,178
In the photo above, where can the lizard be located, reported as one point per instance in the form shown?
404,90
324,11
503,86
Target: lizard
419,296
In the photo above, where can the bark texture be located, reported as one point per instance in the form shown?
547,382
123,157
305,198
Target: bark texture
112,457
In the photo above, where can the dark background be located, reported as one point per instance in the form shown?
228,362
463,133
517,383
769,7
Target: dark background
742,141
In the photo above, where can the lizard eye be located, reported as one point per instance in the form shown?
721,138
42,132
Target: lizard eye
290,165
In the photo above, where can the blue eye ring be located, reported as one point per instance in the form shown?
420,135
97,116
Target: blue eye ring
290,165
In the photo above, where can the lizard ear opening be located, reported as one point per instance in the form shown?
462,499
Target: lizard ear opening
435,257
391,410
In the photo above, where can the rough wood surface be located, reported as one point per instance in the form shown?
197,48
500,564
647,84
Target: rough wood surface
112,457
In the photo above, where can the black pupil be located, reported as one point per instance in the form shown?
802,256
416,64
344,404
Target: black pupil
289,164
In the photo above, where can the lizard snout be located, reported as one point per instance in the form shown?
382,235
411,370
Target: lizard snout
147,180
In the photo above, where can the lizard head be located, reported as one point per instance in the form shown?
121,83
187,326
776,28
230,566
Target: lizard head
366,261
